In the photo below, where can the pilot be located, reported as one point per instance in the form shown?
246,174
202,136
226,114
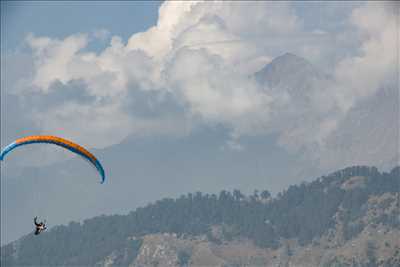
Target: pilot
40,227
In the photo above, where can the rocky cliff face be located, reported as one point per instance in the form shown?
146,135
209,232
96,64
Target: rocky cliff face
376,245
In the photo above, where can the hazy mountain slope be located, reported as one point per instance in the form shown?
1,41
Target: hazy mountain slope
291,72
140,170
369,134
350,218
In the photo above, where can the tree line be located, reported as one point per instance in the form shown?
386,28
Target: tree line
303,212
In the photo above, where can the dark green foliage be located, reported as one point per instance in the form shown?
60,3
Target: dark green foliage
353,201
303,212
212,238
335,262
351,230
265,194
75,244
371,254
7,255
183,258
125,256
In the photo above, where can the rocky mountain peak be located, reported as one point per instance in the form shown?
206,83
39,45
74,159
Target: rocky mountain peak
287,69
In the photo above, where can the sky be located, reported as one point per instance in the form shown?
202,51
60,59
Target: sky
63,18
112,75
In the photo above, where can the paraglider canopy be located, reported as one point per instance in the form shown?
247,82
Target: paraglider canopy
48,139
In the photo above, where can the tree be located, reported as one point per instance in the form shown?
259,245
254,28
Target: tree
237,195
183,258
371,253
265,194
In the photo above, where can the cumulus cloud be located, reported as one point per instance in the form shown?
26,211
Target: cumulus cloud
356,77
180,57
216,92
52,58
372,67
197,64
377,60
80,94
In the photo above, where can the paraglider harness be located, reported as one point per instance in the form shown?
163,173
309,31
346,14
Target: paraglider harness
40,227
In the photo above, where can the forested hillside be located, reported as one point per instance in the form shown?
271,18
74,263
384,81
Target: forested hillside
333,209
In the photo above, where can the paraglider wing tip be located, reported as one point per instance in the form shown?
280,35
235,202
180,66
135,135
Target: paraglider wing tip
2,155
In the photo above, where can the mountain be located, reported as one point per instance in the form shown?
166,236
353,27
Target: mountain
348,218
148,168
291,72
370,133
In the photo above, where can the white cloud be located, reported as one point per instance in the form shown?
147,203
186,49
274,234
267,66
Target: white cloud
374,28
197,51
377,62
215,91
203,54
52,58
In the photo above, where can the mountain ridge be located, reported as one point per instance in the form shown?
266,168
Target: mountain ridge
263,159
175,232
